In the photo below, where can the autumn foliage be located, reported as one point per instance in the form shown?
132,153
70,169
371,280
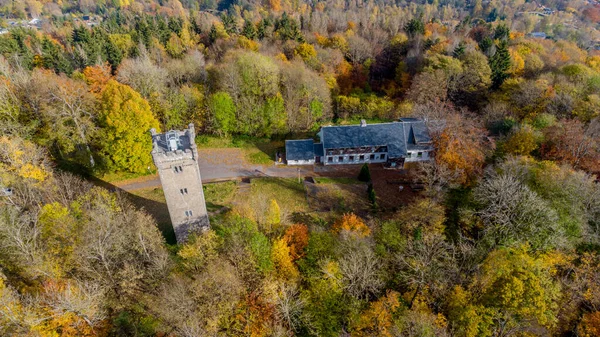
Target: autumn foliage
296,236
351,223
460,146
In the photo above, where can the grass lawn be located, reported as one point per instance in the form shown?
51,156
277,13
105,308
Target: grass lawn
328,180
256,150
254,200
217,195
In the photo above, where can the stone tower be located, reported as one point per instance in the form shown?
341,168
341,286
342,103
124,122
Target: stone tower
175,155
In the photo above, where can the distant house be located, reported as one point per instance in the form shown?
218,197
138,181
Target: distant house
392,144
538,35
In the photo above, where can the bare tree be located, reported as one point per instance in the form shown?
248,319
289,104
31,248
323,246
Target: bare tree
512,212
428,262
289,305
359,50
436,177
360,269
142,75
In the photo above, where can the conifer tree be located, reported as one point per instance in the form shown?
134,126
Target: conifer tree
500,64
365,173
249,31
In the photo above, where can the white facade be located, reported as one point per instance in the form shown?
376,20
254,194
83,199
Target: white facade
301,162
341,159
413,156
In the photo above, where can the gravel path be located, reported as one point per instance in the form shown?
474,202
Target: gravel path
226,164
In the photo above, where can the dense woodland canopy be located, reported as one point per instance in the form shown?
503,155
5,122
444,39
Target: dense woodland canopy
504,241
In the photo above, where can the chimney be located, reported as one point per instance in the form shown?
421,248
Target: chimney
363,123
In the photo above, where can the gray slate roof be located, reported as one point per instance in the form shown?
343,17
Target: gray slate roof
319,150
303,149
162,142
408,134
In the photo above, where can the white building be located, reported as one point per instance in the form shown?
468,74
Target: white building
393,144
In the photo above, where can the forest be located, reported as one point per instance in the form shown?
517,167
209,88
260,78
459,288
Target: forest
504,240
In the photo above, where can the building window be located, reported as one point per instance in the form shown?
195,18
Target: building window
382,156
362,157
419,154
188,213
409,154
183,191
330,159
372,157
341,159
351,158
176,169
180,169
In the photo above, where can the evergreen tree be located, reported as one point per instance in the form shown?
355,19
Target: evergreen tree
365,173
229,24
500,64
415,27
53,57
212,35
114,55
459,51
492,16
502,32
262,29
486,46
249,31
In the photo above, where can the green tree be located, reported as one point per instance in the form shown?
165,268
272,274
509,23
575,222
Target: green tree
125,120
500,64
273,214
365,173
415,27
521,142
249,30
221,105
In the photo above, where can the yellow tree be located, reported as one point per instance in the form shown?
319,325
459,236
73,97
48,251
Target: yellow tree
379,318
273,215
512,290
282,260
23,158
521,142
125,120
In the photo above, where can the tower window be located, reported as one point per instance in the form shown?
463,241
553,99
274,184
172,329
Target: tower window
180,169
185,190
188,213
181,190
176,169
